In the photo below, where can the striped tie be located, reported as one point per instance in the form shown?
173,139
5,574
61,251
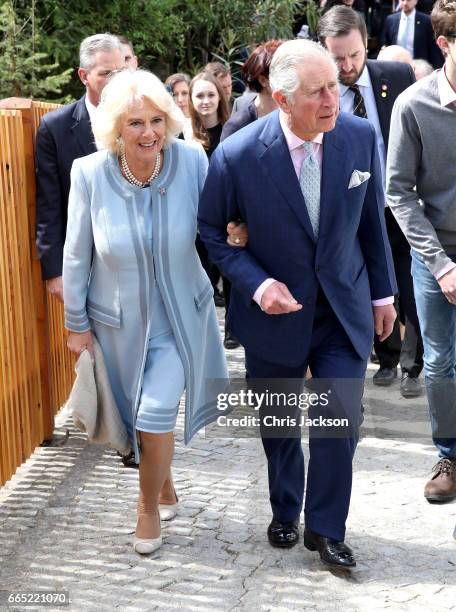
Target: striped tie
359,108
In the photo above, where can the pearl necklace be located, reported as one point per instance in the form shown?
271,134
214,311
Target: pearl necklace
131,177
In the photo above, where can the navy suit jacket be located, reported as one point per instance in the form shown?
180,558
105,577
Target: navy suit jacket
251,176
424,45
64,135
391,78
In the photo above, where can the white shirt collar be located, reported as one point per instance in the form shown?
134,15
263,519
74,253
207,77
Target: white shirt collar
90,108
363,81
410,16
446,92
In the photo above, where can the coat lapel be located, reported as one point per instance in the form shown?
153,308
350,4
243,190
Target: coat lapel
82,130
333,165
278,167
417,34
383,101
395,28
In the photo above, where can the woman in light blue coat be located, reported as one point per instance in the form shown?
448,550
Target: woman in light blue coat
131,276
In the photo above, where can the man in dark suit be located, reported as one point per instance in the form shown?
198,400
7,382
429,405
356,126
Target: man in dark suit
64,135
307,182
368,88
412,30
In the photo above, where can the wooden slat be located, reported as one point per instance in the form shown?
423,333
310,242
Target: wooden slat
61,360
36,369
20,408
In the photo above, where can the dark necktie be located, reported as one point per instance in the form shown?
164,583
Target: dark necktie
358,103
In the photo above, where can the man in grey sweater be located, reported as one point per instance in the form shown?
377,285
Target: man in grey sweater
421,192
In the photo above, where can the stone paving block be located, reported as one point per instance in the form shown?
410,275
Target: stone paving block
68,516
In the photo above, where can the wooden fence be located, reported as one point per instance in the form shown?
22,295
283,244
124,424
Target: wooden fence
36,369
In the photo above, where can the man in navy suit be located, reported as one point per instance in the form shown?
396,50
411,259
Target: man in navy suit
316,276
412,30
64,135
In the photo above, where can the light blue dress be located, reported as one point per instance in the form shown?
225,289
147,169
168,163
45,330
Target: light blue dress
123,271
164,378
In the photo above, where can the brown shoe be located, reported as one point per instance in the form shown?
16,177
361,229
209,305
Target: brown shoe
442,486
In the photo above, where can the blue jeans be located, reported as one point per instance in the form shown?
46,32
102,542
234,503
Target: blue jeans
438,328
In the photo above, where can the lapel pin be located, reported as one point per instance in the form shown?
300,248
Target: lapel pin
384,92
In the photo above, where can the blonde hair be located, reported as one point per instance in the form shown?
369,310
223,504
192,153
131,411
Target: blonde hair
125,89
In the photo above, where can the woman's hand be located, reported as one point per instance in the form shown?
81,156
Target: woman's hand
79,342
237,234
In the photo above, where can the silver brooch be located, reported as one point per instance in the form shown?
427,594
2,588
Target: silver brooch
162,190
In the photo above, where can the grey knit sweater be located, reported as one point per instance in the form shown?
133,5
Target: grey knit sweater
422,154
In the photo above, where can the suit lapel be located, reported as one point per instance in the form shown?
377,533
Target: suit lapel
82,130
396,22
278,167
416,35
333,165
384,103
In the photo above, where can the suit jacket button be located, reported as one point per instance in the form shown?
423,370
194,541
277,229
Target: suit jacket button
309,300
317,269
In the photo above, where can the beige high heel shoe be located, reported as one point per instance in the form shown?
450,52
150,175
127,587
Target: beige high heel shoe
145,546
168,511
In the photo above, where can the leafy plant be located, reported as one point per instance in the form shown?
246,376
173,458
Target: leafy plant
313,14
167,35
23,69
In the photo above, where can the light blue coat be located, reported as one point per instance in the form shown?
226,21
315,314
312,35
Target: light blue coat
109,270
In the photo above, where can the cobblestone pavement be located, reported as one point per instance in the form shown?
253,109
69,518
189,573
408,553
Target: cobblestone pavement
68,516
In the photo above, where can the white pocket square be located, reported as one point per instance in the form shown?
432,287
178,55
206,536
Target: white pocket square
357,178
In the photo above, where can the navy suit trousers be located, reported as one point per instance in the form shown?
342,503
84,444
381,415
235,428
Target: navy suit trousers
329,477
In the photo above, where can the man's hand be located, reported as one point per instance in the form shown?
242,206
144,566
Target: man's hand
384,317
447,284
79,342
237,234
55,287
278,300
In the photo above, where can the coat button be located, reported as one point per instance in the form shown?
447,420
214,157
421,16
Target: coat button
309,300
317,269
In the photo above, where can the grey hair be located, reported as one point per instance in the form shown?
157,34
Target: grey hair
422,68
94,44
289,57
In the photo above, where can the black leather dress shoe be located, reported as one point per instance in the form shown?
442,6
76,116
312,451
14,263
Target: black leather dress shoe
230,341
384,377
410,386
283,535
332,552
129,460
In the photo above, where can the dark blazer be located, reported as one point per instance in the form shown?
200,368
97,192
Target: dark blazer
251,176
424,45
64,135
240,119
243,101
390,78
